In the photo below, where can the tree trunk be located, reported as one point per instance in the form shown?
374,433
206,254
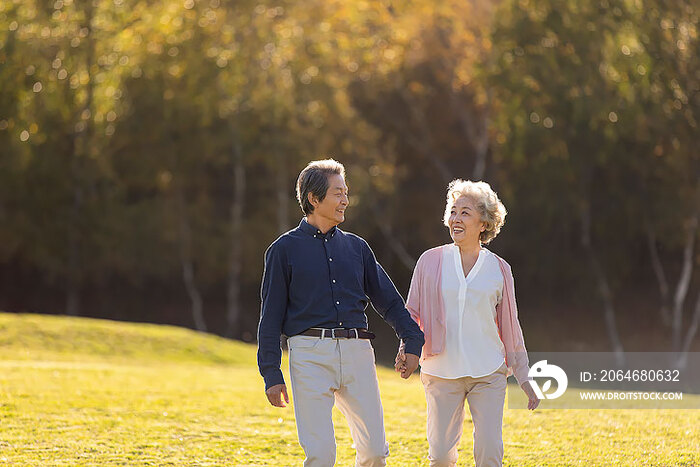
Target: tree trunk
188,265
73,272
683,285
282,191
73,276
475,128
82,140
481,148
423,143
396,246
603,285
233,291
692,331
660,274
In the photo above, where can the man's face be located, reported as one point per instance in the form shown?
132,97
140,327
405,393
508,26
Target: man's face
332,208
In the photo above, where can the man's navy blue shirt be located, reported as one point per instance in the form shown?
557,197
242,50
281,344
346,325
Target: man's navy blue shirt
315,280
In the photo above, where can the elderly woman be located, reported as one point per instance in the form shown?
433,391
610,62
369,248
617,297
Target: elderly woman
463,298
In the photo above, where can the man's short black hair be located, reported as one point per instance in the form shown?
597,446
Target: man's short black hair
314,179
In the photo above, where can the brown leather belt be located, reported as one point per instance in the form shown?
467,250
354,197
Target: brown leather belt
338,333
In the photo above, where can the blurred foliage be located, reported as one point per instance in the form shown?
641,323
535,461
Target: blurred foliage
123,123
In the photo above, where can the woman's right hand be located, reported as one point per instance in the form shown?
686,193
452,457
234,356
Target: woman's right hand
400,360
532,400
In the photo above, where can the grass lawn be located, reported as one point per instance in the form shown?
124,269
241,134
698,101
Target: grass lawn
89,392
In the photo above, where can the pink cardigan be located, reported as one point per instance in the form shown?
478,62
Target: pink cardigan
426,308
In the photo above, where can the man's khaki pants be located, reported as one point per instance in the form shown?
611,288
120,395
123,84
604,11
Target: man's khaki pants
445,398
340,371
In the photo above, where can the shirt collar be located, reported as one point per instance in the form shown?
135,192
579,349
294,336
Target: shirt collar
305,227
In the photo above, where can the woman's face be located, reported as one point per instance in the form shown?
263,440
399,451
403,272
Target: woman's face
465,221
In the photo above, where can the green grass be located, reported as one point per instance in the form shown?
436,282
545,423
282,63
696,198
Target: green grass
89,392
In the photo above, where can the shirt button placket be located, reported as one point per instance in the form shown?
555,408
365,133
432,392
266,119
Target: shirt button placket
333,294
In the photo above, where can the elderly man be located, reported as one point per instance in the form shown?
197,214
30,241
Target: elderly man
317,283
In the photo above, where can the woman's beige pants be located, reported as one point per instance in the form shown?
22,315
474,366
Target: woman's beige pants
445,398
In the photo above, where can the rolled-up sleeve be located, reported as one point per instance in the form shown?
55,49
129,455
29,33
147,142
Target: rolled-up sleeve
274,295
389,304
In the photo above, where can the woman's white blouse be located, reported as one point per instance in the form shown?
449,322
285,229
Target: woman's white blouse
472,344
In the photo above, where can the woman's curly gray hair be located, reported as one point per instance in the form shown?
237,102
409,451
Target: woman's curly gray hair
486,201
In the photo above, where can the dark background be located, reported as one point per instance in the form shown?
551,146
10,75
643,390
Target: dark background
149,150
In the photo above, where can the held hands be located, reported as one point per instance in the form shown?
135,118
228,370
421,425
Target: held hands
533,400
275,394
405,363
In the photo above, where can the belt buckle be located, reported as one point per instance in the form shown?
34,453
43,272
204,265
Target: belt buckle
325,333
333,332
